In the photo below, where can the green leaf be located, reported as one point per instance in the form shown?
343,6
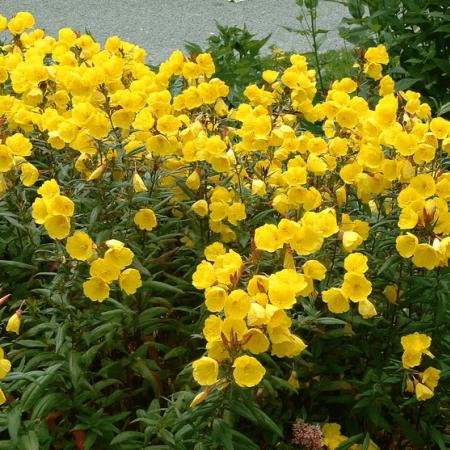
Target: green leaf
17,264
14,420
29,441
221,433
127,436
349,442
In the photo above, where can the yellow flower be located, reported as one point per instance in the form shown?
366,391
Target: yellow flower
356,286
6,159
236,213
270,76
193,181
2,397
408,219
145,219
215,298
332,436
205,371
13,324
119,256
367,309
96,289
130,281
103,269
237,304
60,205
19,144
168,125
258,187
248,371
255,341
5,365
20,22
138,184
314,269
80,246
214,250
49,189
425,256
356,262
205,276
336,300
351,240
406,245
423,392
284,286
29,174
414,345
430,377
200,207
57,226
377,55
267,238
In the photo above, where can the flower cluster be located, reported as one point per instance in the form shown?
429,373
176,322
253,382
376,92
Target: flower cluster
414,346
300,186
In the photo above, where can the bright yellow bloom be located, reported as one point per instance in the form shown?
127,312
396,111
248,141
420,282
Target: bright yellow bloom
96,289
80,246
314,269
215,298
205,276
49,189
356,262
414,345
248,371
356,286
268,238
256,341
237,304
58,226
130,281
430,377
145,219
336,300
19,144
377,55
119,256
29,174
284,286
406,244
101,268
5,365
214,250
351,240
425,256
367,309
423,392
200,207
205,371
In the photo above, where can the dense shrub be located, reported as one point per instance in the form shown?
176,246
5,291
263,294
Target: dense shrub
294,250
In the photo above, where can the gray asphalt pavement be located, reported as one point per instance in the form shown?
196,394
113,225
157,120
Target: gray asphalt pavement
161,26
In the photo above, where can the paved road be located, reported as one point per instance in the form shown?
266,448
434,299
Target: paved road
160,26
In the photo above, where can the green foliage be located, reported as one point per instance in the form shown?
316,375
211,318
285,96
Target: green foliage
417,35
